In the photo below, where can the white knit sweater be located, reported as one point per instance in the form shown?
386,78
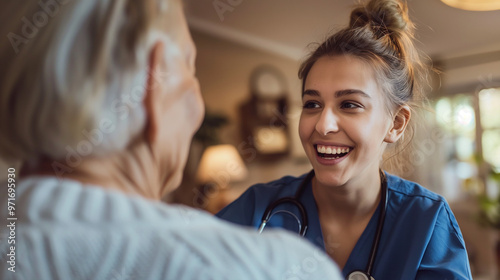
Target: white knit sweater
66,230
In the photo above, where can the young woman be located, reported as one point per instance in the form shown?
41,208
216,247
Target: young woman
359,87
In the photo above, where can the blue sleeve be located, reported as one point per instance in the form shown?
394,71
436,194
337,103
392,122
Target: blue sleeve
241,211
445,256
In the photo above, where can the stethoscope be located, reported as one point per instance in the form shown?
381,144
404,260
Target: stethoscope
294,200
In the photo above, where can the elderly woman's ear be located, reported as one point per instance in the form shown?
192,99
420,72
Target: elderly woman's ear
156,66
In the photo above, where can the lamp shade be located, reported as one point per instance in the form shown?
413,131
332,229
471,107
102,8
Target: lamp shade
474,5
221,164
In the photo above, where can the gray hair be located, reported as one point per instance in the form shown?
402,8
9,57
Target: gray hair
73,75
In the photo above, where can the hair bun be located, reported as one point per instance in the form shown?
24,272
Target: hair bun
383,17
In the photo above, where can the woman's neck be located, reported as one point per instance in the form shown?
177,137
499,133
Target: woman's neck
133,171
356,200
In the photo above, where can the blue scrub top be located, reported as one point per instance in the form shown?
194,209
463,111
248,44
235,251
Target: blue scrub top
420,239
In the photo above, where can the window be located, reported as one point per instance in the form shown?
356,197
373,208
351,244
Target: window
489,107
473,120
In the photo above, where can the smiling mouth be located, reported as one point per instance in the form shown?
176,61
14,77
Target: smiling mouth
332,152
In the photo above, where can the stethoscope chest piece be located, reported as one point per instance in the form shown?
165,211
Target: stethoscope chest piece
359,275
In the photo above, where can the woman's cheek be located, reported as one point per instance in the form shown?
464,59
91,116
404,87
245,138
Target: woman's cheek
306,127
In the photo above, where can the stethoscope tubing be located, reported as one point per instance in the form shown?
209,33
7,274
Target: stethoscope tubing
290,200
380,224
295,200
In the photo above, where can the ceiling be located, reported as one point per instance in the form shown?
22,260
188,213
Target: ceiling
287,27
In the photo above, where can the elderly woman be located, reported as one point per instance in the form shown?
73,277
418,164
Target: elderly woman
99,101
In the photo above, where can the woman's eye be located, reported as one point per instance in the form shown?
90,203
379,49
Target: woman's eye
350,105
310,105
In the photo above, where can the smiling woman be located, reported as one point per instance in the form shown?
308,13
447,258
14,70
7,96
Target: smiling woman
358,90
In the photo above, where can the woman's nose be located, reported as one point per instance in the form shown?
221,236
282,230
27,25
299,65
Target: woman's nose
327,122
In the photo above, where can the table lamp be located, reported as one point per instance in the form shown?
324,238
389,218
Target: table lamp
220,165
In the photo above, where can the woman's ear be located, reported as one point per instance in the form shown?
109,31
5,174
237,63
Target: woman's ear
153,91
399,123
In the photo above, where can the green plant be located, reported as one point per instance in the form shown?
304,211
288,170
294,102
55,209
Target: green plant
489,208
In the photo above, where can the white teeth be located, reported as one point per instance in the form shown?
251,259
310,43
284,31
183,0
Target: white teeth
331,150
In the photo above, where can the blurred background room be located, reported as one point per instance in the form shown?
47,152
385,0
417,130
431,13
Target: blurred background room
248,55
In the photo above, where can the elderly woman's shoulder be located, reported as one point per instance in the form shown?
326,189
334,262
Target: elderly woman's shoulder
94,231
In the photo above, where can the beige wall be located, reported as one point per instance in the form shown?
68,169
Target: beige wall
224,69
3,170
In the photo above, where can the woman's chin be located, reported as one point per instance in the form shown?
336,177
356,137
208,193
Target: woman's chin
331,179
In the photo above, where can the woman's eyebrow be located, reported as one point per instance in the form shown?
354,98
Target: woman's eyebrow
339,93
345,92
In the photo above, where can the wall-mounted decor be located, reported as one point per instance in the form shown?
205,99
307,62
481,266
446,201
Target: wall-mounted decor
263,116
